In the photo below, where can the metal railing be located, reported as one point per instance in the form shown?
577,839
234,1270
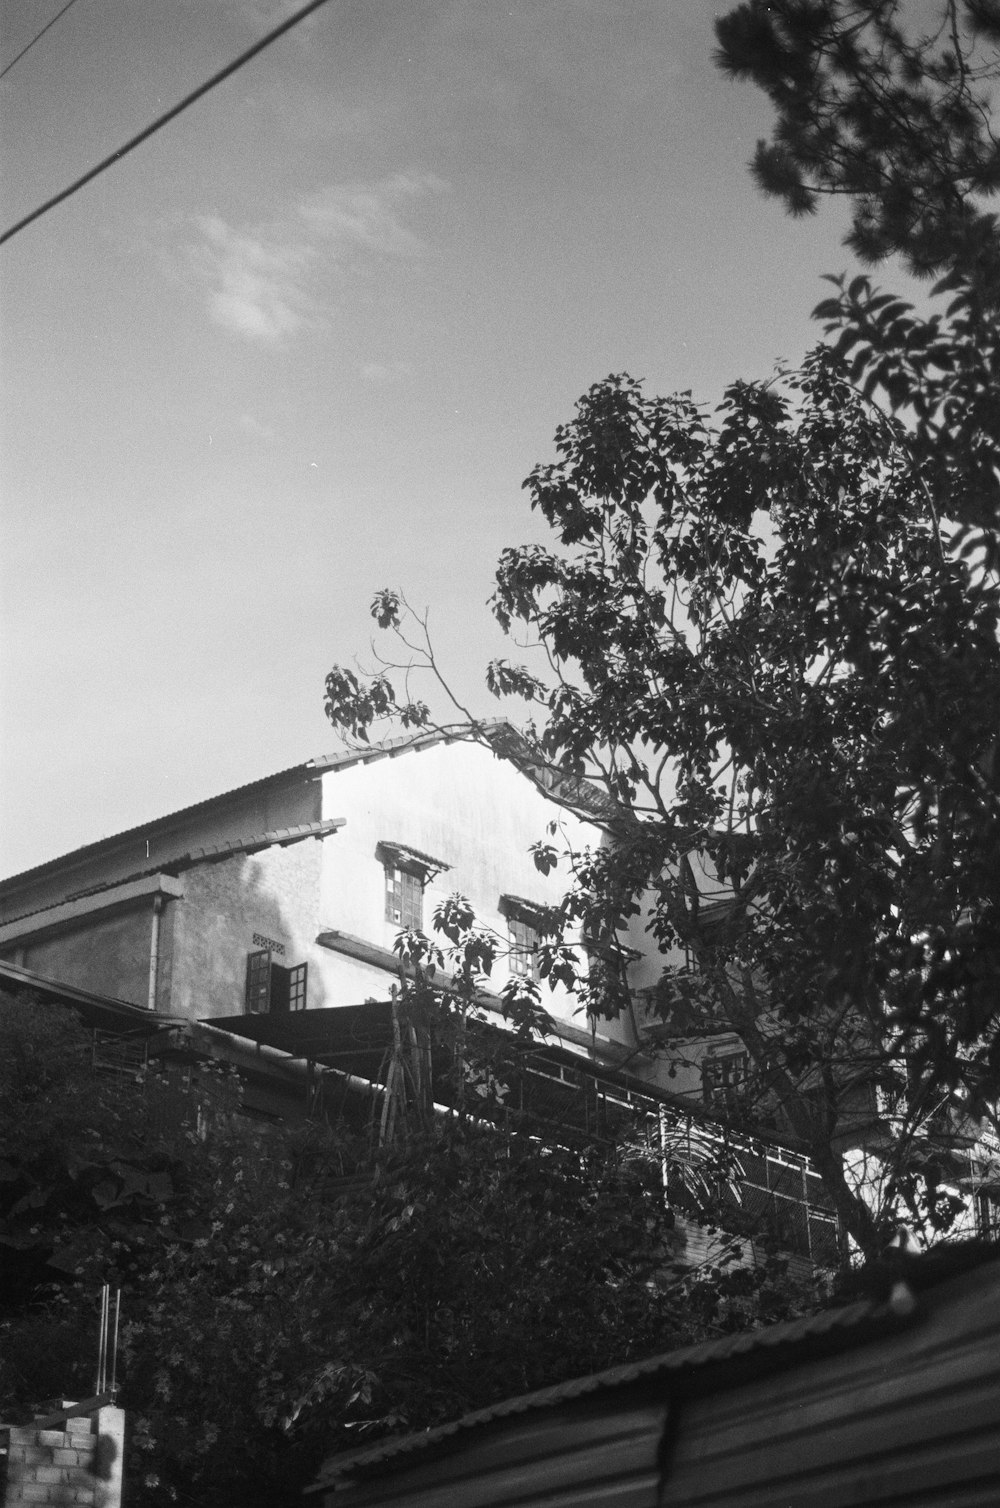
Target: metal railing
757,1184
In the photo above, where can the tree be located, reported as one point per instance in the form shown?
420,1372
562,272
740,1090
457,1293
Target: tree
754,646
88,1179
899,122
290,1289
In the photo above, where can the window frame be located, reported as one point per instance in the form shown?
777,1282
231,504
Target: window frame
522,958
526,915
406,874
258,983
408,887
276,988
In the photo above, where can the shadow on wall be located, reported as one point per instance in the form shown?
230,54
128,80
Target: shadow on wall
237,910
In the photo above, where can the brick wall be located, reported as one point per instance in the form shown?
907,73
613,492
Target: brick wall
79,1464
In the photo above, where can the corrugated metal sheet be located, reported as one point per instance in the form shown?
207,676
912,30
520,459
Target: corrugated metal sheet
594,1457
790,1334
914,1420
851,1407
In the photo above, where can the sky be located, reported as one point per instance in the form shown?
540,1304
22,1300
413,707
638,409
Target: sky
309,340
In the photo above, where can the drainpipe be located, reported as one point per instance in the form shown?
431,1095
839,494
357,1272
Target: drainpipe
154,951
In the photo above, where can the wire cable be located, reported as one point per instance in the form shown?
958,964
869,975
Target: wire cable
37,37
163,120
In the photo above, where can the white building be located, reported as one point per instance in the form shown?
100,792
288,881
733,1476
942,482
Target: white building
289,893
267,916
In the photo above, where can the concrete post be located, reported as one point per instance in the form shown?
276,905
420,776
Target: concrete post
109,1457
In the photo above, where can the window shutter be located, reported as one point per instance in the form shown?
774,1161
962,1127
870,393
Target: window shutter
393,895
404,898
412,907
258,986
297,978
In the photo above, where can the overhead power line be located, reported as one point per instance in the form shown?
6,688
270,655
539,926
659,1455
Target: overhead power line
37,37
162,120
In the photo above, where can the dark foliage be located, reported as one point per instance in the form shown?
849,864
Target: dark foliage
762,654
291,1290
897,119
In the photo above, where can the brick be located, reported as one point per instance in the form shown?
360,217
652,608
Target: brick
72,1457
49,1436
82,1425
31,1455
51,1474
29,1492
83,1495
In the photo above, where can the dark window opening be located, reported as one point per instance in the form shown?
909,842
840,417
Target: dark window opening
986,1208
271,988
724,1077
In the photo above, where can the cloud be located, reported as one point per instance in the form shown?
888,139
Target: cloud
258,287
368,216
268,282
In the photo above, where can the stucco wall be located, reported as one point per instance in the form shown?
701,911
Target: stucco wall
465,807
273,894
107,953
684,1075
242,814
457,802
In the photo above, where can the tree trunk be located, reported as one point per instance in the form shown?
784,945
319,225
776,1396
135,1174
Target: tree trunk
852,1211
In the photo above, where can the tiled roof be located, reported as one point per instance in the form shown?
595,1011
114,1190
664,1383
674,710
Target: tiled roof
88,849
578,794
279,837
212,853
310,768
503,738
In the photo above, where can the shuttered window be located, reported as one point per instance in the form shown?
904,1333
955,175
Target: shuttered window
270,987
404,898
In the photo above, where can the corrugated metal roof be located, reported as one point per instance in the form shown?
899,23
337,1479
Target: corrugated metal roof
789,1336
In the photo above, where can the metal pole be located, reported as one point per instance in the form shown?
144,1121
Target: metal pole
114,1345
102,1341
